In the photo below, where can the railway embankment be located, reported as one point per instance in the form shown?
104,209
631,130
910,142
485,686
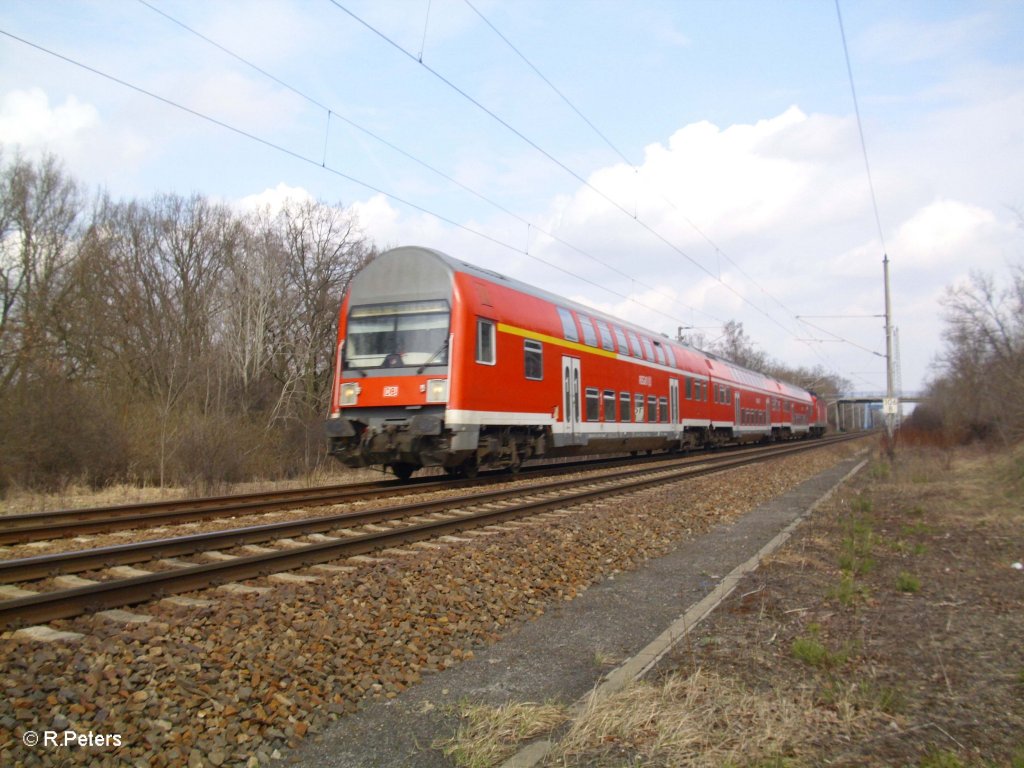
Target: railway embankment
886,632
247,678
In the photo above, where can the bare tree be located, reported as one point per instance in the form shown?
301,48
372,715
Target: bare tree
735,345
982,366
40,210
177,339
324,250
254,316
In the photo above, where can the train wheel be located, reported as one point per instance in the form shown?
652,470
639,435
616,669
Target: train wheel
470,468
403,471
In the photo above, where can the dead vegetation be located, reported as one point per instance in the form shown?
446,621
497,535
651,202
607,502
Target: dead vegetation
886,633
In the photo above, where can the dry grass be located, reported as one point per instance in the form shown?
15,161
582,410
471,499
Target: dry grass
700,719
489,735
749,702
76,496
975,485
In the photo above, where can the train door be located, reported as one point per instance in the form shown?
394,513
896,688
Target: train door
673,403
571,396
737,420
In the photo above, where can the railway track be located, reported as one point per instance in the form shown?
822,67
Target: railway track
334,537
45,526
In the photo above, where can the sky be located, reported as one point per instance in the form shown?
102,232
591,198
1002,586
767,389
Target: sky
676,163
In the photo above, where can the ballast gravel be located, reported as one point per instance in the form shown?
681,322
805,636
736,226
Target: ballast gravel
246,678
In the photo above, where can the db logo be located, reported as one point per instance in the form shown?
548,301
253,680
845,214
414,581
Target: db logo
390,391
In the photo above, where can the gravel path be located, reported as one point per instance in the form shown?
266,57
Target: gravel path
243,680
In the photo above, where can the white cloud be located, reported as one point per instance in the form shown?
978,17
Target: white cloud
946,232
27,119
377,215
389,226
785,201
274,199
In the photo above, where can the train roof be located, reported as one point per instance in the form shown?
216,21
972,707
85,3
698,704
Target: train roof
413,272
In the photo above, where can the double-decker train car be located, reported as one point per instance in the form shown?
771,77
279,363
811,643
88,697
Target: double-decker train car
443,364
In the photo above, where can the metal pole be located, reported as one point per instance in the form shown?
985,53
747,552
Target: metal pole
890,388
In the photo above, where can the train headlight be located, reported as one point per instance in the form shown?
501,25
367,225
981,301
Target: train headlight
437,390
349,393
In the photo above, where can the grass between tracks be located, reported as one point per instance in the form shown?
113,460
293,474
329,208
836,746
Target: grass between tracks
886,632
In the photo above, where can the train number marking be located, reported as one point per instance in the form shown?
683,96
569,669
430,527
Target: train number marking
390,391
646,381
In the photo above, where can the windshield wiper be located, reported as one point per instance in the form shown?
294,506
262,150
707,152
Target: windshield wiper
430,359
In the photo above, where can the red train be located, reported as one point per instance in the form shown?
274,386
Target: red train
443,364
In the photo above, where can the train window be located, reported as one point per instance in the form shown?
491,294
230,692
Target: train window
593,404
648,349
659,353
568,324
399,334
663,409
485,346
689,389
634,344
670,355
652,408
609,405
533,359
624,414
638,407
589,337
606,335
620,337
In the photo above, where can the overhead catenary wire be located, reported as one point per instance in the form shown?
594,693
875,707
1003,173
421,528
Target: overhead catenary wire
496,205
551,85
860,128
789,331
422,163
322,161
874,207
475,102
317,163
597,131
715,247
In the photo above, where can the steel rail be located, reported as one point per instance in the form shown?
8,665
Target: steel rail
48,606
77,561
44,526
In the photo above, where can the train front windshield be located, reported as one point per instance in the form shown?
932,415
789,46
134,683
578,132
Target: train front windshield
396,335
